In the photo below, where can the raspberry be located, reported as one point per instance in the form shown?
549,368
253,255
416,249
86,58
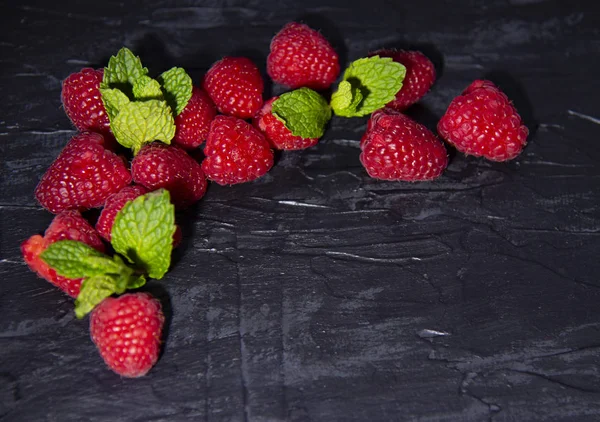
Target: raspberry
235,152
420,76
398,148
236,86
82,101
68,225
193,122
302,57
83,175
127,332
484,123
158,165
276,133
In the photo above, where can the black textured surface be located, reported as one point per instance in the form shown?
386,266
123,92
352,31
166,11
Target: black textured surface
317,293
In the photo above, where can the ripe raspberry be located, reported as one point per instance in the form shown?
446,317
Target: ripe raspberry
398,148
68,225
276,133
235,86
483,122
193,122
420,76
114,203
235,152
158,165
127,332
302,57
83,175
82,101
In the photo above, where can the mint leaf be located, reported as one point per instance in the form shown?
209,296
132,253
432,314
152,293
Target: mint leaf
74,259
123,71
346,99
141,122
93,291
377,79
113,100
143,232
303,111
177,87
146,88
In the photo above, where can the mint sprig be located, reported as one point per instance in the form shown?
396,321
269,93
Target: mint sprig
140,109
143,232
368,85
303,111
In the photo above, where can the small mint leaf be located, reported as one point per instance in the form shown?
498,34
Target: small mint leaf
141,122
146,88
177,87
346,99
135,282
303,111
74,259
143,232
113,100
123,71
378,78
93,291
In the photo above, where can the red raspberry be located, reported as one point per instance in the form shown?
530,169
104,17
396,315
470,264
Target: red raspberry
483,122
235,152
83,175
276,133
158,165
236,86
301,56
127,332
68,225
82,101
398,148
114,203
194,120
420,76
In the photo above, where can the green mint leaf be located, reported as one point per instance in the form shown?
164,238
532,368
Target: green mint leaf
123,71
141,122
346,99
303,111
378,78
93,291
143,232
74,259
146,88
177,87
114,100
134,282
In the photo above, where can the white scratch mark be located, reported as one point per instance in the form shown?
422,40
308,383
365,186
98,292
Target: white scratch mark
427,333
551,125
302,204
346,142
584,116
368,258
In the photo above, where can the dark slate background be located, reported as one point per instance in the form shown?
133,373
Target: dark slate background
317,293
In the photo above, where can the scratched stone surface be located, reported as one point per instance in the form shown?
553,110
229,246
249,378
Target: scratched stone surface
317,293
